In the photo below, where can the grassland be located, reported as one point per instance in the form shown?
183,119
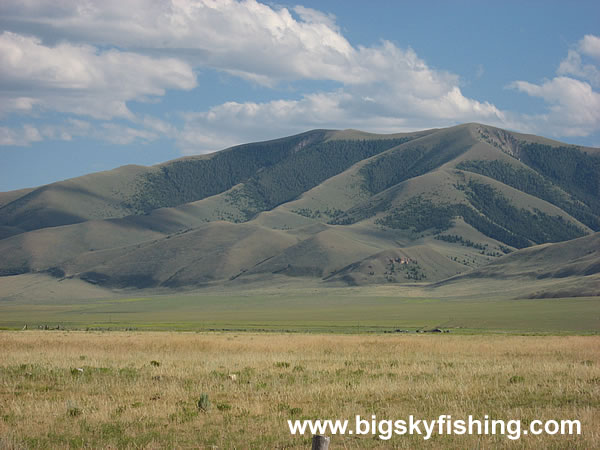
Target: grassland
306,309
141,390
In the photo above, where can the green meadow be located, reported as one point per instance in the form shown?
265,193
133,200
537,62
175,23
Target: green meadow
311,310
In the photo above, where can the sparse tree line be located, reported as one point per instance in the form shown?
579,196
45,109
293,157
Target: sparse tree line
318,214
272,172
489,212
456,239
395,167
304,170
187,180
558,185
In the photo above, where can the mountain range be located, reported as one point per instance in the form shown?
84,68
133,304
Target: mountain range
343,208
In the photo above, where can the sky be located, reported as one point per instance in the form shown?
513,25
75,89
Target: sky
88,86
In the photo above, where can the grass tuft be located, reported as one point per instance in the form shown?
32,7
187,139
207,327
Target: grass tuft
203,402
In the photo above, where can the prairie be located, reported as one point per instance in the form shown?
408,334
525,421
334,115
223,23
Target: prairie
78,389
471,306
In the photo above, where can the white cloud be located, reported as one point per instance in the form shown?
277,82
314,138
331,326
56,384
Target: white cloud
80,79
590,45
124,135
381,88
158,126
91,58
391,90
313,16
234,123
573,105
243,37
111,132
573,65
20,136
16,104
574,108
577,61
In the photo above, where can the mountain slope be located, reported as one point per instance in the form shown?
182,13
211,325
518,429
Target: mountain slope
577,257
338,206
565,269
215,251
95,196
138,190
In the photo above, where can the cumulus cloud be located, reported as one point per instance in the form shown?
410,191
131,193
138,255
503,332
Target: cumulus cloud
91,58
573,105
395,91
80,79
247,38
590,45
574,108
233,123
573,65
381,88
578,64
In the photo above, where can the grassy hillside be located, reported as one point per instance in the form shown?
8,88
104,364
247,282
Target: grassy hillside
577,257
11,196
137,190
95,196
563,269
215,251
340,207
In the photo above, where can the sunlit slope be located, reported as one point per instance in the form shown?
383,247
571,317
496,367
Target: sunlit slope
577,257
564,269
139,190
214,251
336,207
11,196
95,196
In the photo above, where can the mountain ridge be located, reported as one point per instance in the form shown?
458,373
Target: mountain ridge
342,207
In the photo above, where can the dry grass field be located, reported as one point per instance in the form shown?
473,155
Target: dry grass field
141,389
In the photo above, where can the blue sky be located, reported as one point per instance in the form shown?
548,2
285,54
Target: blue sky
88,86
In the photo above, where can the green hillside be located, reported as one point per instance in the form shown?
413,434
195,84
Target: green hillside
275,171
573,266
336,207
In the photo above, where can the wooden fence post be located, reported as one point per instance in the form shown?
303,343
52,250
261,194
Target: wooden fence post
320,442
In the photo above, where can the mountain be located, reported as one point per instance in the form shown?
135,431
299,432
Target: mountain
564,269
336,207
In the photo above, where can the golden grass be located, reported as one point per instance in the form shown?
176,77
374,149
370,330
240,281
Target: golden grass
123,400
